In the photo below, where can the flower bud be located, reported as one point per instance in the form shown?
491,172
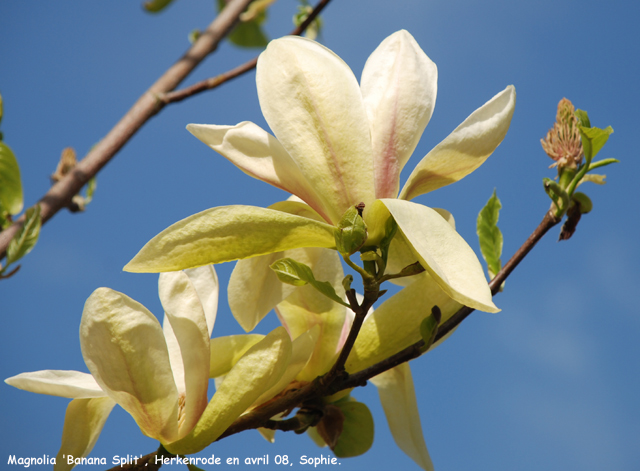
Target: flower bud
352,231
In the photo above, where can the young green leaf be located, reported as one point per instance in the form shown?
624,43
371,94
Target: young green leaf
298,274
27,237
357,430
583,118
489,234
602,163
248,33
10,184
593,139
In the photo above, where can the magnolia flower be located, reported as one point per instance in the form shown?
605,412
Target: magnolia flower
339,144
160,376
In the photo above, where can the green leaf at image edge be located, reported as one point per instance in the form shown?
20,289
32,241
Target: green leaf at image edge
156,6
10,184
489,234
298,274
27,237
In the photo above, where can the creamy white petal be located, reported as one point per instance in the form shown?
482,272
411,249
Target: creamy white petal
125,349
83,423
63,383
184,310
398,399
466,148
258,154
313,104
399,86
443,253
205,281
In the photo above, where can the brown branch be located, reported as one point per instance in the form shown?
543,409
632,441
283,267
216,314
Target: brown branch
213,82
331,384
150,103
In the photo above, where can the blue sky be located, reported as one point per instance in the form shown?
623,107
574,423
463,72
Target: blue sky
551,382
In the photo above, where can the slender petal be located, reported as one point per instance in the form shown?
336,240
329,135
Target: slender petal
399,86
226,351
398,399
83,423
259,369
186,315
63,383
125,350
313,104
443,253
395,324
225,234
205,281
258,154
466,148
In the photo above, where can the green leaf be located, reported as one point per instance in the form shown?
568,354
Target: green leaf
10,184
583,118
27,237
298,274
357,430
156,6
489,234
429,327
602,163
593,139
248,33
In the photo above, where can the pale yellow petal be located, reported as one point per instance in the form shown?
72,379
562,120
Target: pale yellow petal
184,310
466,148
226,351
205,281
63,383
395,324
83,423
259,369
228,233
258,154
399,86
124,348
443,253
313,104
398,399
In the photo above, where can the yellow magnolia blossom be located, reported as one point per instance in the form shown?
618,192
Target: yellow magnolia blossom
158,374
338,144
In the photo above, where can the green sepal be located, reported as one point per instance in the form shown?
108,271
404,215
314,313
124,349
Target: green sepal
583,201
156,6
557,195
352,232
489,234
10,183
26,238
429,328
298,274
357,430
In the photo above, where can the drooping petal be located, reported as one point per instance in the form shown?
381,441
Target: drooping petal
258,154
186,315
125,350
395,324
205,281
259,369
313,104
443,253
398,399
399,86
63,383
401,255
254,289
83,423
226,351
225,234
466,148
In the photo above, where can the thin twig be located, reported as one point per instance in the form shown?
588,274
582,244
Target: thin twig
150,103
213,82
321,387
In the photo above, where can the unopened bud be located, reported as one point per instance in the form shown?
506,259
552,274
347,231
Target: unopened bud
352,231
